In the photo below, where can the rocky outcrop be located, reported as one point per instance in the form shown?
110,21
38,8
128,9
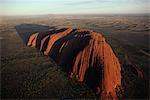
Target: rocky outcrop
32,40
85,56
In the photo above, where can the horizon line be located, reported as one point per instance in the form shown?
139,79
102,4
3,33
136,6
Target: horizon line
79,14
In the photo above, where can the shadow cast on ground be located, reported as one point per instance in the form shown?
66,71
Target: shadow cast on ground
26,30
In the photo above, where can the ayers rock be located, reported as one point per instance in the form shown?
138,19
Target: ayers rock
84,55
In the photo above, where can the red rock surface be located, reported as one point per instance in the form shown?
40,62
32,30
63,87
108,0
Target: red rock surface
32,40
54,38
86,56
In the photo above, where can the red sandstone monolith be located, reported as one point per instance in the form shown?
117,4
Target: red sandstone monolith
87,58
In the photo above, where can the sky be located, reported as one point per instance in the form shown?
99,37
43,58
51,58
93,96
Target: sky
39,7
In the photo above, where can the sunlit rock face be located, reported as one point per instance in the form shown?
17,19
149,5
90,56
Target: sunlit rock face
85,56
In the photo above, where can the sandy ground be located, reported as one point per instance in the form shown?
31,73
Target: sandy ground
26,73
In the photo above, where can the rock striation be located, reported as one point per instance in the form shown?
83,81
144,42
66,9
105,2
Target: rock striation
85,56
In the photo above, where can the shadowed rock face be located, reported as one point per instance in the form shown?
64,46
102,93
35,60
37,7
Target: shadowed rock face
85,56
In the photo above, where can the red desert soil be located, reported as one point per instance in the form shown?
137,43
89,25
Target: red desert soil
86,56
